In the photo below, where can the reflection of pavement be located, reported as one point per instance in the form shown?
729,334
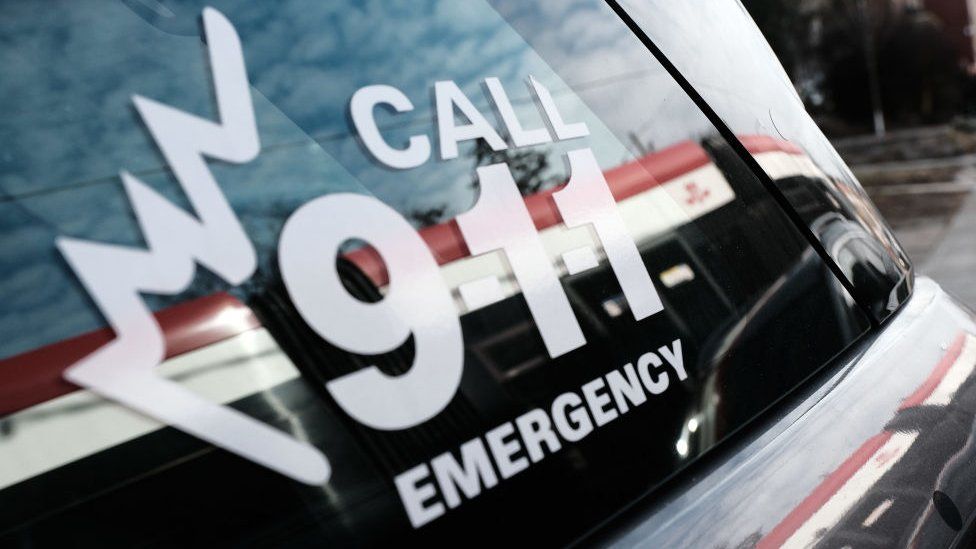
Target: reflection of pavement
921,213
953,262
931,206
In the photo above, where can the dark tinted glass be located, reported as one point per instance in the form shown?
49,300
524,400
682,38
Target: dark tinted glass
543,449
717,47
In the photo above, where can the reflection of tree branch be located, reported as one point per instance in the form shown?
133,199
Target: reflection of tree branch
528,167
425,217
836,51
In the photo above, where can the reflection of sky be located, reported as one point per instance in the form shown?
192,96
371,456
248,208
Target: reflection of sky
67,125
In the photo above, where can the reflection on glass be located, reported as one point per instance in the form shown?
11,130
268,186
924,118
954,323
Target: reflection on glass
717,47
749,310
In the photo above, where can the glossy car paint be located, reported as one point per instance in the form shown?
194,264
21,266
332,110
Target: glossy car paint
859,454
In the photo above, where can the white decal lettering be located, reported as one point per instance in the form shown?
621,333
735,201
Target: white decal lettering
587,199
416,492
503,448
535,428
626,389
599,402
655,385
575,425
416,302
475,472
674,358
520,136
362,110
559,127
501,221
448,97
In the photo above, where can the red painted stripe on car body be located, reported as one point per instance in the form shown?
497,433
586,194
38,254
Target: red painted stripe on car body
939,372
822,493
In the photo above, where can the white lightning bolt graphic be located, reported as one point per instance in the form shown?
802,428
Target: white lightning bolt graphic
124,370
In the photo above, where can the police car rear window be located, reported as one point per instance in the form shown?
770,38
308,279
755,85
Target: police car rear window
371,272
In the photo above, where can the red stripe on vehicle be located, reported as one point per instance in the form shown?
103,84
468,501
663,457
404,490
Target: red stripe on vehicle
826,490
35,376
822,493
649,171
645,173
940,371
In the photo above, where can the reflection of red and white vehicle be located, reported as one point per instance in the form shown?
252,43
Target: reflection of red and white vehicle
216,346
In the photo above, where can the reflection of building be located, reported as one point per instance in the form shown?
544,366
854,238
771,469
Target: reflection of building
959,25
